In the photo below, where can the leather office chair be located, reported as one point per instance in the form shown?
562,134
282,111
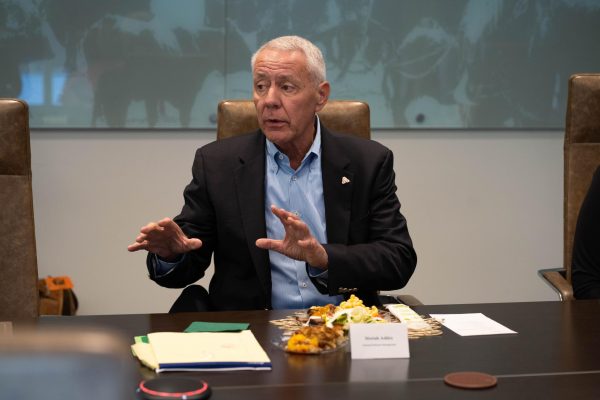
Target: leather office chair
18,262
235,117
239,116
581,157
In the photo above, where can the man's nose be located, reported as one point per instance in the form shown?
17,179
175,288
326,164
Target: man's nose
272,98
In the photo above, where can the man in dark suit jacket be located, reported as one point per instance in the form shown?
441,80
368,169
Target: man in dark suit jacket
367,246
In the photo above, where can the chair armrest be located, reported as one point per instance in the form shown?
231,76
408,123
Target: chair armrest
555,278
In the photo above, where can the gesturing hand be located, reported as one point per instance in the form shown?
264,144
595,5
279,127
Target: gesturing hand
164,238
298,242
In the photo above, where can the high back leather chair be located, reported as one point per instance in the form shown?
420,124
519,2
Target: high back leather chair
18,262
581,158
239,116
235,117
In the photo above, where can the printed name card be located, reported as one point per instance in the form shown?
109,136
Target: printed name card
379,341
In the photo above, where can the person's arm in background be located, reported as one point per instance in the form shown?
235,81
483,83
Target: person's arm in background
586,245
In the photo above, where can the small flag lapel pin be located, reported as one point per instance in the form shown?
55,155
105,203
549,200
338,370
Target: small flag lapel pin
345,180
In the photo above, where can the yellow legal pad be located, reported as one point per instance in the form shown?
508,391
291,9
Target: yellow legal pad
201,351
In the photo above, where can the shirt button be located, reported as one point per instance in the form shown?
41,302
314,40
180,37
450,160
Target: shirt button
294,178
281,156
303,284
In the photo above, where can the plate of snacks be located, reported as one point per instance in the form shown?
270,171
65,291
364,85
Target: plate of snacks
340,317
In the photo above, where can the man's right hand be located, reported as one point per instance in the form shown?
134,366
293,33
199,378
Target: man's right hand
165,239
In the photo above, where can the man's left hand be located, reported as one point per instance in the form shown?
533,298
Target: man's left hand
298,242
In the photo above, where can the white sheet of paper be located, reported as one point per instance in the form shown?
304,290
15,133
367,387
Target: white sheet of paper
472,324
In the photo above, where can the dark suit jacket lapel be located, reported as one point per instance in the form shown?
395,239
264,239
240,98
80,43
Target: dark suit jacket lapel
250,187
338,195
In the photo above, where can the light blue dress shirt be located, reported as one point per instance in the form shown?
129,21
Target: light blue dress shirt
301,192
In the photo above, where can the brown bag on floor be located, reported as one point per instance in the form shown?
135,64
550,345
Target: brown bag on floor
57,296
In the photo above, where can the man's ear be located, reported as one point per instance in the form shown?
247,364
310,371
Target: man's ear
323,95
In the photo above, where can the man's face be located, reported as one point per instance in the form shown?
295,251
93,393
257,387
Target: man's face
286,98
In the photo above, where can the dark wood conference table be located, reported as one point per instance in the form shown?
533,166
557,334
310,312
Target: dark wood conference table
554,355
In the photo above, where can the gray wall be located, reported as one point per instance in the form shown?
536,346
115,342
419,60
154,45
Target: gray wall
484,210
